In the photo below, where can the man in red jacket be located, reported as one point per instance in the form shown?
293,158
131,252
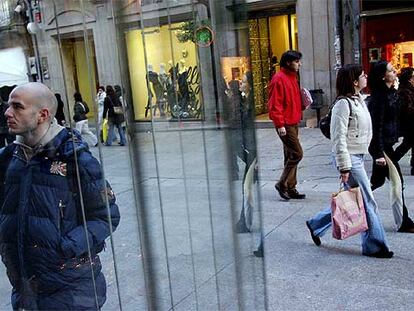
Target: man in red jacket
285,110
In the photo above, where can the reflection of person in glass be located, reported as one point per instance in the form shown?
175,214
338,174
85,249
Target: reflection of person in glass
80,110
114,119
248,149
52,262
100,98
60,114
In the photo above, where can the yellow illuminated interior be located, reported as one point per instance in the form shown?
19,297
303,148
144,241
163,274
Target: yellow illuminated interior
84,76
160,47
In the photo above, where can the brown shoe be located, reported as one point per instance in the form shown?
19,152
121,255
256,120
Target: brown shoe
294,194
283,193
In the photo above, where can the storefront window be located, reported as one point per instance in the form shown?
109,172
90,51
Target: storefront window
159,100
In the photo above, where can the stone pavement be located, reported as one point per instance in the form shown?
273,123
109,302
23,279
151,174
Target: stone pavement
189,208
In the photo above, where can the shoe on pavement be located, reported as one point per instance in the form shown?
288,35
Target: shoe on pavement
381,254
258,253
406,229
294,194
315,238
283,193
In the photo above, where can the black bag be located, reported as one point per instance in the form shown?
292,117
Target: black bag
325,122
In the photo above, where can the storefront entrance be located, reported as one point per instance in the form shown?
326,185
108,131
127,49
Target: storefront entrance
78,78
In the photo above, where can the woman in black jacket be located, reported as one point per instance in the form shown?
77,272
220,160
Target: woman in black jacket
406,93
112,103
384,109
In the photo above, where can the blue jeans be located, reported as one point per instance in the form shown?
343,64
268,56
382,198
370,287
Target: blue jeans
373,240
111,134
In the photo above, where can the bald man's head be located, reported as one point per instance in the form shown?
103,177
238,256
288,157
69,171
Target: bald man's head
39,95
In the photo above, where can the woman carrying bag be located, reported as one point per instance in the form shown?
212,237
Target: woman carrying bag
384,106
351,133
114,110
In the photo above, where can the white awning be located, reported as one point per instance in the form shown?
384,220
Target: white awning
13,67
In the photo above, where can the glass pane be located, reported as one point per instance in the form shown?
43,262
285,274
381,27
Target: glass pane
145,196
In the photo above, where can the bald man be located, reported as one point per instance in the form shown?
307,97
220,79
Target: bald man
51,262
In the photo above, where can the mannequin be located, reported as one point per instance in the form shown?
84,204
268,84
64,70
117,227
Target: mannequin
159,92
181,66
150,69
183,85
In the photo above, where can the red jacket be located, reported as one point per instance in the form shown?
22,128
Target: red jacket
285,107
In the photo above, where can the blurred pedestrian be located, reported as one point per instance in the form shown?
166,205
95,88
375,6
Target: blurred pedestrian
100,98
247,153
285,110
82,125
351,133
406,94
5,136
115,118
60,115
383,105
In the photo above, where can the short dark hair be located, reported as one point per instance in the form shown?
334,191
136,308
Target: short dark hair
109,90
288,57
345,79
376,75
78,97
405,75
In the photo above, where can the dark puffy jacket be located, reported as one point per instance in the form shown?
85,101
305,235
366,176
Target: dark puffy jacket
406,93
383,106
42,237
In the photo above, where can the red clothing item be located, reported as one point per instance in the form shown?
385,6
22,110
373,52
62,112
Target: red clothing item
285,107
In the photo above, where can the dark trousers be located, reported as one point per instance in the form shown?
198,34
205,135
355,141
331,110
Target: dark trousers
293,153
380,173
402,149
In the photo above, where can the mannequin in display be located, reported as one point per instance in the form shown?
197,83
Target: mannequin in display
150,94
172,94
158,90
183,85
164,80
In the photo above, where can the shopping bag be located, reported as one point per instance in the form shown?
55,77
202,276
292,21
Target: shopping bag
348,213
105,129
306,98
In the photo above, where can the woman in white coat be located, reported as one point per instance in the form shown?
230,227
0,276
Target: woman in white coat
351,133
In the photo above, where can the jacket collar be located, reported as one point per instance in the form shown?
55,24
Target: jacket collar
289,72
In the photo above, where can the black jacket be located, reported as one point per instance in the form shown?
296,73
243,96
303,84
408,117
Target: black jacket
383,106
406,94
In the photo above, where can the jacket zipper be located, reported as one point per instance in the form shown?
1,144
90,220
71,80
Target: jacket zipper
60,218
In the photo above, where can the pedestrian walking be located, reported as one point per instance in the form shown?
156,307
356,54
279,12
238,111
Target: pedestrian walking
115,118
406,94
285,110
384,109
351,133
100,98
50,234
60,114
82,125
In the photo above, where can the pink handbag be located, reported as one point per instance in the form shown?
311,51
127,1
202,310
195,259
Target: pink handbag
348,213
306,98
